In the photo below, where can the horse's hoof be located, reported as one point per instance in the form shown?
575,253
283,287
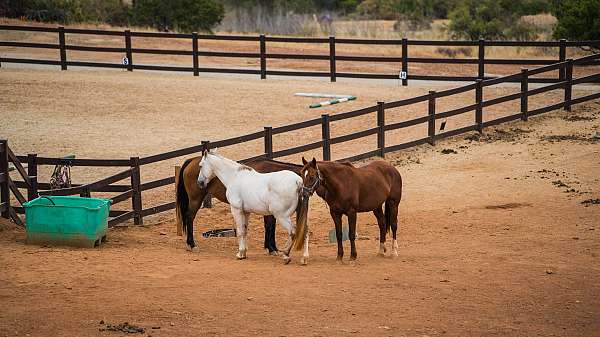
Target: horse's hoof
381,254
273,253
395,253
304,261
352,258
240,256
287,260
194,249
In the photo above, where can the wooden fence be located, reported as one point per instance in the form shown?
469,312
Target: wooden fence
133,190
403,58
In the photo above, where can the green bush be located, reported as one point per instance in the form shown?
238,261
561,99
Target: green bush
182,15
489,19
578,20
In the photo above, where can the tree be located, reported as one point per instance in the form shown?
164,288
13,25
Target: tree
578,20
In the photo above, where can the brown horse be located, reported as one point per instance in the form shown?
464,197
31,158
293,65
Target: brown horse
349,190
190,196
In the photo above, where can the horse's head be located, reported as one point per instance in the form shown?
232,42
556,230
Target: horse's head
206,172
311,176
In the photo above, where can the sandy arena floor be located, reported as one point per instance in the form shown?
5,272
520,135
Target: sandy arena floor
498,239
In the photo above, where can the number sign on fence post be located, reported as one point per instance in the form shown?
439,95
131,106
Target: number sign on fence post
4,193
128,51
479,108
332,70
381,126
63,48
405,60
524,94
263,57
562,57
136,197
32,189
269,142
431,124
568,84
481,60
195,53
326,136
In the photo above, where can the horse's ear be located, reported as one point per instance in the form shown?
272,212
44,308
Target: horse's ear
313,162
204,152
304,162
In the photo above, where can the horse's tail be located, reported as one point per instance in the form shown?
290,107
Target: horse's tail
182,199
388,216
301,221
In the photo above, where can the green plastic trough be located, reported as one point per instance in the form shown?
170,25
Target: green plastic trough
71,221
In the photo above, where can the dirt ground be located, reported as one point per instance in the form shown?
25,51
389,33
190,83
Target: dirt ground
497,239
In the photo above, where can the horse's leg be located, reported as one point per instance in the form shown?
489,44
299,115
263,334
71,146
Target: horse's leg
270,234
286,223
188,222
352,234
382,230
241,221
393,218
337,220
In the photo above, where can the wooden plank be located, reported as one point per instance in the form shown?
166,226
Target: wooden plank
361,156
237,140
158,209
120,218
162,51
408,101
95,49
502,120
15,217
408,123
298,149
20,198
456,132
548,108
585,98
121,197
163,68
457,111
17,163
83,162
353,113
454,91
501,99
28,45
298,73
297,39
29,28
352,136
157,183
297,126
296,56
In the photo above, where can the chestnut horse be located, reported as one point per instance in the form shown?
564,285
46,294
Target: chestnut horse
190,196
349,190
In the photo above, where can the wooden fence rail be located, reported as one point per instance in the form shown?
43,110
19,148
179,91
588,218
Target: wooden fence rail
403,59
134,189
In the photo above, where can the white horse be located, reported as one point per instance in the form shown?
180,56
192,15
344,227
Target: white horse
248,191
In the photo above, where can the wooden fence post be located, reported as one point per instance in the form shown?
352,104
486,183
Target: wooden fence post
479,108
136,197
568,84
332,59
63,48
207,202
481,60
32,190
128,50
524,94
195,52
431,124
381,126
326,136
562,57
263,57
269,142
405,60
4,192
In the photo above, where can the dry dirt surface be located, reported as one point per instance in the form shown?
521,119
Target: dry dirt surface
499,233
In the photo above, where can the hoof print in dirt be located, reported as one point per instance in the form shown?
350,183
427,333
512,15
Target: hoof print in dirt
123,327
590,202
448,151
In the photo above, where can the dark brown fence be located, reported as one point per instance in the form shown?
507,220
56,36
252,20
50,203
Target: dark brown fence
133,190
403,59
